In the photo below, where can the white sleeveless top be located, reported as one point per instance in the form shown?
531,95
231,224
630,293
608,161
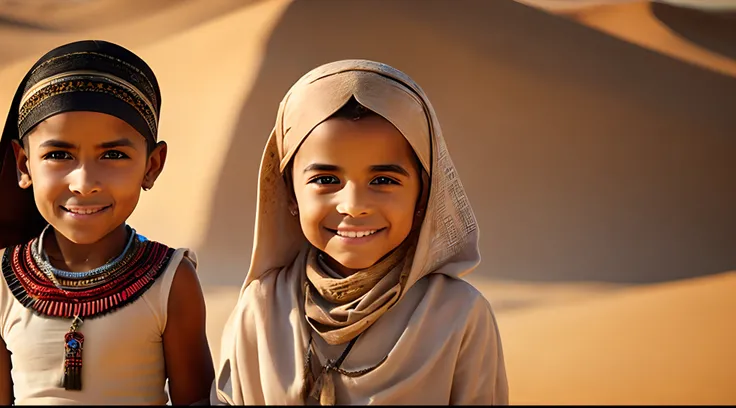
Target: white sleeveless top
123,358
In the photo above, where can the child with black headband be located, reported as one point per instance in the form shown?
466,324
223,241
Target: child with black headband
90,311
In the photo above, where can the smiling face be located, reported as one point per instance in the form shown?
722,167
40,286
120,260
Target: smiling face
356,184
86,170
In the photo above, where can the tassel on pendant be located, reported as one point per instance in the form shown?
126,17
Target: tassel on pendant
317,386
73,345
323,389
327,395
308,377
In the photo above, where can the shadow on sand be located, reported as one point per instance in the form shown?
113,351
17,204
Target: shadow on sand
42,26
586,158
714,31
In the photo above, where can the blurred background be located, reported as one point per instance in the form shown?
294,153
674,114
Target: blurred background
596,140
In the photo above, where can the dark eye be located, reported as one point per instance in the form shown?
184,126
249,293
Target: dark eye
384,180
57,155
325,180
114,155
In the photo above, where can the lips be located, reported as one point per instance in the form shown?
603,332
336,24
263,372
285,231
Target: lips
85,210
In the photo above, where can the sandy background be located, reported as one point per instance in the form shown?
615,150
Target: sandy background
596,140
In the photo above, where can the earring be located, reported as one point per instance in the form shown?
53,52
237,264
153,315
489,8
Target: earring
419,212
294,212
146,185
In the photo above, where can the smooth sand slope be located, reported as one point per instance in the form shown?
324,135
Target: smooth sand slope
596,166
699,32
665,344
30,27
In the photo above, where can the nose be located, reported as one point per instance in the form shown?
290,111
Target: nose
84,181
354,202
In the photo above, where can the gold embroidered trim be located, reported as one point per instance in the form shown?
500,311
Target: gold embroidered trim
120,64
89,81
115,79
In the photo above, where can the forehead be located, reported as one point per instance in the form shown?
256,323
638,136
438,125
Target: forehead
370,140
84,128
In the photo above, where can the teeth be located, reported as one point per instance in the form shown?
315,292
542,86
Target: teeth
83,211
356,234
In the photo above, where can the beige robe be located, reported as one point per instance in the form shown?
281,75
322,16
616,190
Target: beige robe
440,341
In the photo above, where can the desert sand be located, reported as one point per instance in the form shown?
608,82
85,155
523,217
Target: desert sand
699,32
596,145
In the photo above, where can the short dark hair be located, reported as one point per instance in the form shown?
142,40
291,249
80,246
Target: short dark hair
352,110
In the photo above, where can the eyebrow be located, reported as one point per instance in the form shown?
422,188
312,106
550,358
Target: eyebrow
390,168
320,167
379,168
59,144
117,143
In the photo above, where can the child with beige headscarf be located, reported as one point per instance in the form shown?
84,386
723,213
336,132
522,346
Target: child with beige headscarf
363,231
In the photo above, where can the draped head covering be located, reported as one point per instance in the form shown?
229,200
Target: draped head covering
95,76
434,342
448,238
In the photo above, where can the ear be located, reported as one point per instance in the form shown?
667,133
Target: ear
21,160
288,180
293,207
293,204
424,195
155,166
420,209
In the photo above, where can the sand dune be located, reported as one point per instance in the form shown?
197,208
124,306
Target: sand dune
32,27
697,32
594,164
587,158
665,344
573,6
601,161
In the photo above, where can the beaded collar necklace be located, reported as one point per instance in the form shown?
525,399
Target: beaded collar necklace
42,259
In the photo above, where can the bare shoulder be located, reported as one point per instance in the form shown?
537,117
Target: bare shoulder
186,296
186,278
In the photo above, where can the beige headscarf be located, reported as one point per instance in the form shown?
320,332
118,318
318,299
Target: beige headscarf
448,241
265,338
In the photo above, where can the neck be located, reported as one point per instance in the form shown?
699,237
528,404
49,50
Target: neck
66,255
338,267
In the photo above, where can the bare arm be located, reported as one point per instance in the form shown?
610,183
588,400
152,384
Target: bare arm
186,349
6,381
